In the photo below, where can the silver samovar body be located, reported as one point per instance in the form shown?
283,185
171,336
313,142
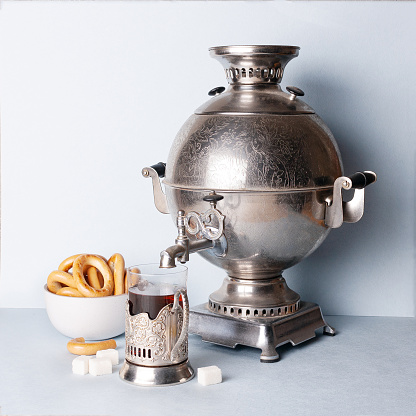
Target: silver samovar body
254,182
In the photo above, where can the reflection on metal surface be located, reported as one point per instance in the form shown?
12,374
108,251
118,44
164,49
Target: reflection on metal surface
253,153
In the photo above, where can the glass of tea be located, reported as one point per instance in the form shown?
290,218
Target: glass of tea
157,319
151,287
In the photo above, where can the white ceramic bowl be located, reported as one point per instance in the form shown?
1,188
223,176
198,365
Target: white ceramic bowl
90,318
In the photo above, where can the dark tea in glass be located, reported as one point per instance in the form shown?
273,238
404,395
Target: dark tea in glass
151,288
140,302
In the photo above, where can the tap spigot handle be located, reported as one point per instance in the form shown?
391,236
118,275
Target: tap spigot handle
213,198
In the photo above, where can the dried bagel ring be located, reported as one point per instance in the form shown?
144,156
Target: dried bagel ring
58,278
83,287
126,282
68,263
129,281
78,346
69,291
94,279
94,276
116,263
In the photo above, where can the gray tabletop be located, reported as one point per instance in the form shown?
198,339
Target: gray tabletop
368,368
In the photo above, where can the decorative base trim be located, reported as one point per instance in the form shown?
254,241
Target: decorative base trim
156,376
254,299
252,312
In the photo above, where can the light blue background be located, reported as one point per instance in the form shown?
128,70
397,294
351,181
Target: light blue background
91,92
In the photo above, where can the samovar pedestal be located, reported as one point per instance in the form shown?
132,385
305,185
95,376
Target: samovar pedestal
263,333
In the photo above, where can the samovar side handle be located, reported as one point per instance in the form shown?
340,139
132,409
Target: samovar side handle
185,324
155,172
338,211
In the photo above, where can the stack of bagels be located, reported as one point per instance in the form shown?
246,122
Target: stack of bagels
92,276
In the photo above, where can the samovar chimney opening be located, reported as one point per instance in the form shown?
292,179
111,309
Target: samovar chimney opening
247,65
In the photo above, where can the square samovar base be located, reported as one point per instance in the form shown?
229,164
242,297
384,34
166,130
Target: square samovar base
263,333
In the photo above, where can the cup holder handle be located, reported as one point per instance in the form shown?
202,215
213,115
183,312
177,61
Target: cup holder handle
185,323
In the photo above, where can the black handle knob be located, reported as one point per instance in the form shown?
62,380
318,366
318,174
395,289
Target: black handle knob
160,169
213,198
216,91
362,179
295,91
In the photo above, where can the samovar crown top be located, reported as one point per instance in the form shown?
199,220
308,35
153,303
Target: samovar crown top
254,74
254,64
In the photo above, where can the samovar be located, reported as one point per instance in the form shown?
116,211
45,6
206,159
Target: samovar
254,182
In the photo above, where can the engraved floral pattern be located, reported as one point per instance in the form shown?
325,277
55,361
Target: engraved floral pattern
156,337
252,152
239,153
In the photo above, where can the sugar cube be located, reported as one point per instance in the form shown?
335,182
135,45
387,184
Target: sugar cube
209,375
80,365
100,366
112,354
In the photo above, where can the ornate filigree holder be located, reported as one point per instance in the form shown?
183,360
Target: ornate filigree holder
157,349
